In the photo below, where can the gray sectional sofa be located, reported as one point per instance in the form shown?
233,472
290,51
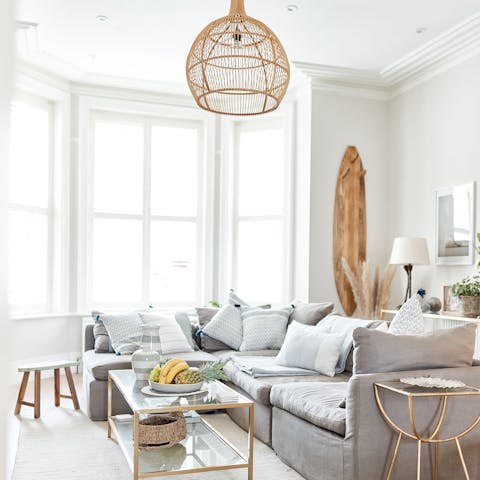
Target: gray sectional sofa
325,428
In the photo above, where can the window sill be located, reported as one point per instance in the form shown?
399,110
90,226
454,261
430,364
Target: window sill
43,316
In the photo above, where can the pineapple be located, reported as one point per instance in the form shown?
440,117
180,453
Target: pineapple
207,372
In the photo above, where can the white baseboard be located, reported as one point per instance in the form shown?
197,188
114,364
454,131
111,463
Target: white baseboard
14,377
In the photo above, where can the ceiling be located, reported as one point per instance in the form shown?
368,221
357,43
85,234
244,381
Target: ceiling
148,40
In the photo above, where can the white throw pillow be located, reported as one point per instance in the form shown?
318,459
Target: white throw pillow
124,330
226,327
311,348
409,319
170,335
264,329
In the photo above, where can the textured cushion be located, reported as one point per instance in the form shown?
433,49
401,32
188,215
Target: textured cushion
205,314
171,338
259,388
99,364
343,326
226,326
264,329
306,346
124,330
317,403
310,313
409,319
377,352
183,320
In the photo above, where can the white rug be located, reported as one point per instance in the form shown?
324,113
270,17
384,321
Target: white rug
65,445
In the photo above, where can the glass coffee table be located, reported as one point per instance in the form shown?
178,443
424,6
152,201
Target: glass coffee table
204,449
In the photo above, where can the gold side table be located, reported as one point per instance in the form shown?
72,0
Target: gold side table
411,392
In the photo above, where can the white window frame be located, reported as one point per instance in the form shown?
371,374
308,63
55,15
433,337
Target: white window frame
151,115
57,100
230,218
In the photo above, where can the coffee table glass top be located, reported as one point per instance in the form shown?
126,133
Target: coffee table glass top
138,401
416,391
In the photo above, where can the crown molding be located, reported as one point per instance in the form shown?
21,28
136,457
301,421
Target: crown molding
342,80
443,52
447,50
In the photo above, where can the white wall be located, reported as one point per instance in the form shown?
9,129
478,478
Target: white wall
6,34
337,122
435,142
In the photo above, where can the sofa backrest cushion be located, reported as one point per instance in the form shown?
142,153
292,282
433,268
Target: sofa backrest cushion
376,351
310,313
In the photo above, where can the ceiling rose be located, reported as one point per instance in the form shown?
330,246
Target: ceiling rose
237,66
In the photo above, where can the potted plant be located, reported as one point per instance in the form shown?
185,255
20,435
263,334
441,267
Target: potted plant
468,292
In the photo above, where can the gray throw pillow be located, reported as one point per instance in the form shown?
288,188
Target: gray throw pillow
310,313
102,343
378,352
205,314
211,345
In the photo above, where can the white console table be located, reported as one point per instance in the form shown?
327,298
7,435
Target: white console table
437,321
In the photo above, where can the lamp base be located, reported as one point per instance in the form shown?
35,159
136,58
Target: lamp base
408,269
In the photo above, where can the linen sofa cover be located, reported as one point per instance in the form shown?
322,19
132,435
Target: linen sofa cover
99,364
259,388
318,403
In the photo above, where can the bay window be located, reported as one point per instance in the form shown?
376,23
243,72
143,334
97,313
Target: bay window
30,230
261,211
145,235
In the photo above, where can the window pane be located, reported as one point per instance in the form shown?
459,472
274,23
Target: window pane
260,260
174,171
117,261
261,164
29,155
118,170
173,262
27,259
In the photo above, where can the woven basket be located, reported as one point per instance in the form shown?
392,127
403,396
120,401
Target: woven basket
161,431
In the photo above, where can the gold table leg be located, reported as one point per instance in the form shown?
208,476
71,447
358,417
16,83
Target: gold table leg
109,408
250,443
460,453
419,458
394,458
136,419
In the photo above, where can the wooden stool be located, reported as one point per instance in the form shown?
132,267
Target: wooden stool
37,368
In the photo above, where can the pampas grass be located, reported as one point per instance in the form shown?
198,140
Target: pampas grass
371,295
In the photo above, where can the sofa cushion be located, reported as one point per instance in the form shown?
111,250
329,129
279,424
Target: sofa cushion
226,327
317,403
99,364
226,355
259,388
377,352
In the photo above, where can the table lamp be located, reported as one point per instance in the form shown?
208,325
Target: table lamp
408,251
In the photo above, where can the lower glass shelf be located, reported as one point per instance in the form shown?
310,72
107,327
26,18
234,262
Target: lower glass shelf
203,448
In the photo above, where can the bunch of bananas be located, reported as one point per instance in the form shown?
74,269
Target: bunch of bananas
169,371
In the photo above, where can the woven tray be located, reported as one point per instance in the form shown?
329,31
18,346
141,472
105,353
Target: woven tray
161,431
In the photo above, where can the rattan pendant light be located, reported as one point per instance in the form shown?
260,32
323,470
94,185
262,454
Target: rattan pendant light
237,66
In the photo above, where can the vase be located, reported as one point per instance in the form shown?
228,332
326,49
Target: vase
146,358
470,306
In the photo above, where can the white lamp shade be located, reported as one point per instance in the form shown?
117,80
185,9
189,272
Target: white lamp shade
407,250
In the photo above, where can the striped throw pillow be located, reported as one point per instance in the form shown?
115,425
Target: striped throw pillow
124,330
264,329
